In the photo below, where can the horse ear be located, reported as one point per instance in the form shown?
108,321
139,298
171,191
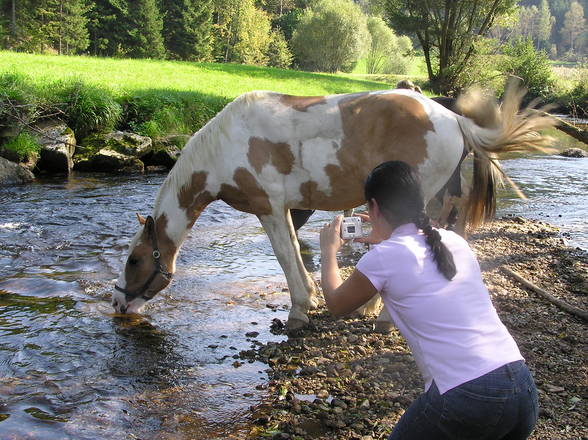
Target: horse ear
141,219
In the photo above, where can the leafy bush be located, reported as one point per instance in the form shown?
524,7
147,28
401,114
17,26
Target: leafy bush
331,36
532,66
400,64
24,145
575,101
482,68
278,53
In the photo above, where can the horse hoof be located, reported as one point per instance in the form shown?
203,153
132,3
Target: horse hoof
383,328
295,324
314,302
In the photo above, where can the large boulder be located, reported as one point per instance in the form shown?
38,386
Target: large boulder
109,161
117,152
574,152
58,145
12,173
165,151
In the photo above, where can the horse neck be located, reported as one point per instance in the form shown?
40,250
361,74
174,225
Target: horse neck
186,191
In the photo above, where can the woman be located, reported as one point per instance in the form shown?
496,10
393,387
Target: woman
477,385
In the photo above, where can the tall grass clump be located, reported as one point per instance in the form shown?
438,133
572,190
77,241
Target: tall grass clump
20,101
156,113
87,108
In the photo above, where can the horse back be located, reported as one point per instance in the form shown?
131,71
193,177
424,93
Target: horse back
316,152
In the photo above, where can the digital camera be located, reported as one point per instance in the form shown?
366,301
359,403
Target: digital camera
351,228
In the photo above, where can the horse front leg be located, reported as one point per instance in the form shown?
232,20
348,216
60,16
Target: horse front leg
280,231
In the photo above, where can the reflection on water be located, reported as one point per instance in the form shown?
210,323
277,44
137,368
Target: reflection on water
69,369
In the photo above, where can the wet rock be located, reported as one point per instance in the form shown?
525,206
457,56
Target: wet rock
252,334
308,370
574,152
13,174
58,145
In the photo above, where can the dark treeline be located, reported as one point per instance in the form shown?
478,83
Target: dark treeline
197,30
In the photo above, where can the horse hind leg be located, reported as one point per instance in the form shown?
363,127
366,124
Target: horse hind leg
384,322
280,231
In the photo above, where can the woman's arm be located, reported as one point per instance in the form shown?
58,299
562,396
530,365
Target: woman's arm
341,297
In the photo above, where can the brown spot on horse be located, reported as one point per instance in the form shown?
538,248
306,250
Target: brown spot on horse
193,198
376,128
302,103
261,152
247,196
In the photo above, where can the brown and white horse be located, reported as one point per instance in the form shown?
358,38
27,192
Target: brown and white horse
266,153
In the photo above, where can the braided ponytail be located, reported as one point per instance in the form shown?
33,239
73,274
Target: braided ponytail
397,189
441,255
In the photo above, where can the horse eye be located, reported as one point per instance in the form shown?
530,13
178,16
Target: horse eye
133,261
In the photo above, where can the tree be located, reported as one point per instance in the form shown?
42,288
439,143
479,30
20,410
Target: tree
545,23
331,35
387,53
188,29
574,25
447,32
279,54
109,26
242,32
252,35
146,39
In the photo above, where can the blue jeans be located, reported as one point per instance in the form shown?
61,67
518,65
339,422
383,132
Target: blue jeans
500,405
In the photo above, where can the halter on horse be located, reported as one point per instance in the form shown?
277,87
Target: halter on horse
267,153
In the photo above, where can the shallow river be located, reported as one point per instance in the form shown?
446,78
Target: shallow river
69,370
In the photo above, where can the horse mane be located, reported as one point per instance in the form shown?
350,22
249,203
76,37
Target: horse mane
202,148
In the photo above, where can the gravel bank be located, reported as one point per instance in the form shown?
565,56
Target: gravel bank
341,380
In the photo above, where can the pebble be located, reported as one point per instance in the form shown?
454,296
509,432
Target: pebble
322,394
554,388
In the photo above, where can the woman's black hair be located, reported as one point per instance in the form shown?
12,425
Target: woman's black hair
396,187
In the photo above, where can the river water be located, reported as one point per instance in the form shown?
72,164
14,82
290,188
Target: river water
71,370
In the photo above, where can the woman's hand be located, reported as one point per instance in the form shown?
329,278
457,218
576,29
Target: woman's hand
372,238
330,238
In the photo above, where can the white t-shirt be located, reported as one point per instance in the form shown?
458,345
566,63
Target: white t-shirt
451,326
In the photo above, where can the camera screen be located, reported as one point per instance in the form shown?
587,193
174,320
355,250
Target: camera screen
351,229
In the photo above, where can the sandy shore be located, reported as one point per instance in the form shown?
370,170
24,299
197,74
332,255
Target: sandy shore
341,380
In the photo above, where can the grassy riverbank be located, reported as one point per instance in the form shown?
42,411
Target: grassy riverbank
150,97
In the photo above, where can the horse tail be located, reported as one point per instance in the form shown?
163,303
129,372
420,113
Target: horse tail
489,129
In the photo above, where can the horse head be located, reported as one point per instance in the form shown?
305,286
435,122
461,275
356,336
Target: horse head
149,267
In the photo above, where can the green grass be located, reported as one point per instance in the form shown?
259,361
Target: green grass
23,146
150,97
123,76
